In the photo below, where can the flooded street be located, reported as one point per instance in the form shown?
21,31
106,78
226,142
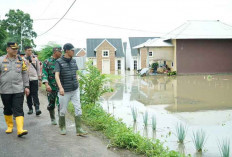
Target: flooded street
197,101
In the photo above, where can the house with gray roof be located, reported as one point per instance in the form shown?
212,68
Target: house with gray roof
193,48
107,54
133,55
79,52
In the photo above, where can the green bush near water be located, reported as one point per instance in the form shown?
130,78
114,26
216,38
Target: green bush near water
92,87
171,73
120,136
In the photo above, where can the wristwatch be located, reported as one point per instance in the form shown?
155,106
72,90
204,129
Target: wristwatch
27,87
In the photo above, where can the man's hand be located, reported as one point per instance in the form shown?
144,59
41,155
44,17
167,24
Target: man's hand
61,90
27,91
48,88
40,83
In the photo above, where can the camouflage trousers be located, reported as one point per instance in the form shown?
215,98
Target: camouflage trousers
53,100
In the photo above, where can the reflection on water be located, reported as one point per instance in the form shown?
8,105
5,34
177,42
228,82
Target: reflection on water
197,101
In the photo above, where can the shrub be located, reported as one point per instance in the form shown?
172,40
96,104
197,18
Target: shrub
199,139
92,84
181,132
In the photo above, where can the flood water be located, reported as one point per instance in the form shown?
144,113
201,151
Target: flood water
198,101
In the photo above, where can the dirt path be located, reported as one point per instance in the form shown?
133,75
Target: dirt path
44,139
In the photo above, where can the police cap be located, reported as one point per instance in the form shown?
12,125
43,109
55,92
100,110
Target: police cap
12,45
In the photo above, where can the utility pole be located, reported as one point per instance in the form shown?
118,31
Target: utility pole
21,38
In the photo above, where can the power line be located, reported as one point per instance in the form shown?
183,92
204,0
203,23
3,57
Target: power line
97,24
131,29
59,19
50,2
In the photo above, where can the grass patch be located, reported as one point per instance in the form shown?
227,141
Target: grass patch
224,147
181,132
154,123
119,135
134,113
112,77
145,118
199,139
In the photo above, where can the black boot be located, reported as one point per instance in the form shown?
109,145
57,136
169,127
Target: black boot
37,110
30,111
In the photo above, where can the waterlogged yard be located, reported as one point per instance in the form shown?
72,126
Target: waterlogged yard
197,102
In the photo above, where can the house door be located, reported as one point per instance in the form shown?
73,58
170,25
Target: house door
106,66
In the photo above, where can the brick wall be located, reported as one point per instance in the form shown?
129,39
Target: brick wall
106,46
143,56
81,54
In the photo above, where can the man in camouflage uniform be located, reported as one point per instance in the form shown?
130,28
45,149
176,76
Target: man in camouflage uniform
48,78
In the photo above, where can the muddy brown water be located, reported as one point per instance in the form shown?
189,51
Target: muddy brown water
197,101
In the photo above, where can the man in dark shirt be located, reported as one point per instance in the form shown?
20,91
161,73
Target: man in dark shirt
66,79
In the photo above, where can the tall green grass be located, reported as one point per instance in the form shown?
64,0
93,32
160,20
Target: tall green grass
153,122
224,147
181,131
145,118
134,113
199,139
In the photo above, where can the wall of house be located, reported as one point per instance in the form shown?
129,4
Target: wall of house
143,57
122,70
93,59
175,59
106,46
128,56
81,54
163,53
133,58
204,56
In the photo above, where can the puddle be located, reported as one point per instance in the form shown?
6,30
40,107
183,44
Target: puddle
199,102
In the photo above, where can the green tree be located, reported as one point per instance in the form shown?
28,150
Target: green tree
47,51
19,23
3,39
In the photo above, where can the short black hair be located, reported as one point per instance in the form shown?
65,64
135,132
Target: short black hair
68,46
27,47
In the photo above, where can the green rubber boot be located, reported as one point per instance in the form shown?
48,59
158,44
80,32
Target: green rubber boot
53,117
62,125
79,130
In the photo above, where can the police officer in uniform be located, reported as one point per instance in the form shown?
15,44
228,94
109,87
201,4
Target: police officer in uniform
33,65
14,82
48,78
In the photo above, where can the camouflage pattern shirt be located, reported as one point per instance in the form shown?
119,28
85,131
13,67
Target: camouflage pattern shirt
48,73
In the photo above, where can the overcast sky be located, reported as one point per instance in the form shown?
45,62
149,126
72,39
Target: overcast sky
152,17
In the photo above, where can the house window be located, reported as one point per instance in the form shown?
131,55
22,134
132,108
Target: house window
135,64
150,54
119,64
105,53
172,64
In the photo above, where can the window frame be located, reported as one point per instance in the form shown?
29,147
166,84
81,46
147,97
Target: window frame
108,53
119,61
